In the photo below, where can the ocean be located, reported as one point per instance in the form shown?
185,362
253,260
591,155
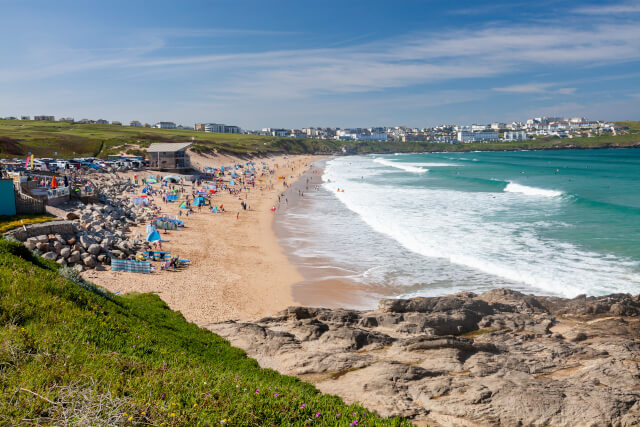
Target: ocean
544,222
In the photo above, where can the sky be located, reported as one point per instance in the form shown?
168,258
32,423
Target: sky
346,63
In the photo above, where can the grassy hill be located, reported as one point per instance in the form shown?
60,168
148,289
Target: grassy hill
72,353
42,138
18,138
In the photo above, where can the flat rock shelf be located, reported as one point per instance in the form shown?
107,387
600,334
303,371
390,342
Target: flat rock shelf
498,358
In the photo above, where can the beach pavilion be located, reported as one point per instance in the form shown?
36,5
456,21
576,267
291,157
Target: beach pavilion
169,156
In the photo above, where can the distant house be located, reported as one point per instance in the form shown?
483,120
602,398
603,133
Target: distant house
66,119
135,124
102,122
217,128
25,117
169,156
165,125
466,136
44,118
515,136
117,123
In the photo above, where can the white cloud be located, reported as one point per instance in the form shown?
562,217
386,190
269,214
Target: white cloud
537,88
612,9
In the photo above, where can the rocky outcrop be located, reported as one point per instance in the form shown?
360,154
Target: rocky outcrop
499,358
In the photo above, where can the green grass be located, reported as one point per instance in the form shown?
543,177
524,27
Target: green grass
17,138
10,222
70,355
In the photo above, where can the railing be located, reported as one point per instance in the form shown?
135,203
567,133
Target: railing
58,192
28,205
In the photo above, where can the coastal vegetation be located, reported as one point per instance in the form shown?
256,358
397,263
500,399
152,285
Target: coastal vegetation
10,222
43,139
72,353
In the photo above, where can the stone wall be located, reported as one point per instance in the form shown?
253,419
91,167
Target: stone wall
32,230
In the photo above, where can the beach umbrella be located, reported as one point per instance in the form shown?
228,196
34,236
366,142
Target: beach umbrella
54,183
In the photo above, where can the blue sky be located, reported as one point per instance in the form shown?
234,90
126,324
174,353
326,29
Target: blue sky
324,63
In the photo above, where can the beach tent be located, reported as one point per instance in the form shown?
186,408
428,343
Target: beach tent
154,236
172,178
214,209
234,175
183,205
231,182
199,201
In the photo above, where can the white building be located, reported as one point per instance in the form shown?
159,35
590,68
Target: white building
371,137
515,136
165,125
220,128
465,136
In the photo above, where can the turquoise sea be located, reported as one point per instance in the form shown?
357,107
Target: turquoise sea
545,222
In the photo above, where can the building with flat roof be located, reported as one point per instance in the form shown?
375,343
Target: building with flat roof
41,118
466,136
165,125
169,156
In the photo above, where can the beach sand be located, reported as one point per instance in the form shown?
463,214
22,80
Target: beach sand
238,270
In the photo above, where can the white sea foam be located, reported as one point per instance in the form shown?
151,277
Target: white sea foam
461,227
403,166
512,187
435,165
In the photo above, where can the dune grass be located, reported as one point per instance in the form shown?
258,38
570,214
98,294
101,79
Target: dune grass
71,356
10,222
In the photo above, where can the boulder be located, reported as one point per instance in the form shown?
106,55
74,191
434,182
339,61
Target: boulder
65,252
72,216
74,257
94,249
50,255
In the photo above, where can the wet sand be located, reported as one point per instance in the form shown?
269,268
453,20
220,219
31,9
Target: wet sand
321,284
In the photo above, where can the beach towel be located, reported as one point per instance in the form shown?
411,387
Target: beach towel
130,266
172,197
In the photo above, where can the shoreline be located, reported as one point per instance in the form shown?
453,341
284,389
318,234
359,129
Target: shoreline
238,269
325,290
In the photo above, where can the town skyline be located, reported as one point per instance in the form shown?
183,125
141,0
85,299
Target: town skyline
419,63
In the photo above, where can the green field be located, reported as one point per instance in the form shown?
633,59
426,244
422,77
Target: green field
43,139
72,353
18,138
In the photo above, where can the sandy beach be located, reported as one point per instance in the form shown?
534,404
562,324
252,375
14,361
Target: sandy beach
237,270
